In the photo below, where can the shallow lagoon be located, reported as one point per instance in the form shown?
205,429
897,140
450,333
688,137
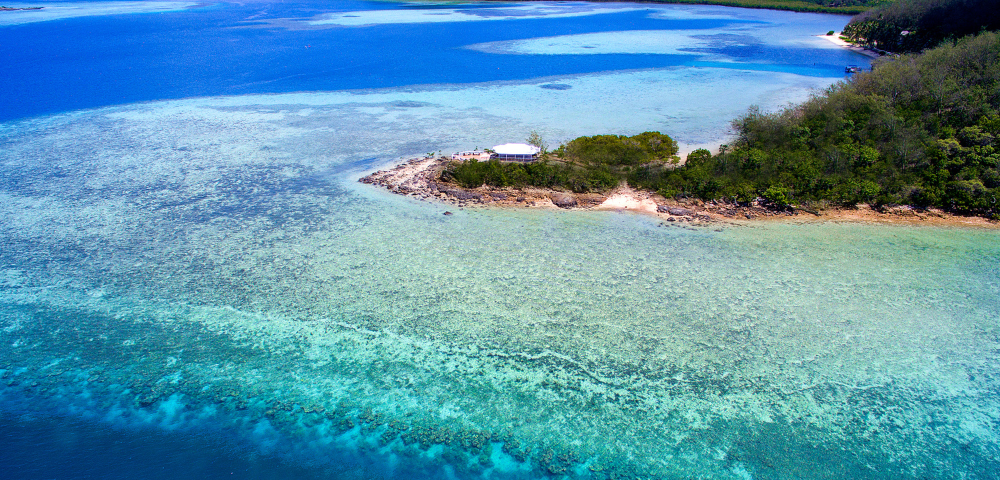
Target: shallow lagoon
208,269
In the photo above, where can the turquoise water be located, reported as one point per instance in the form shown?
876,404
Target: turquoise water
205,279
230,276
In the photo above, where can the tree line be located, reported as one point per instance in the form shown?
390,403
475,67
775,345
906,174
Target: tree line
820,6
914,25
921,129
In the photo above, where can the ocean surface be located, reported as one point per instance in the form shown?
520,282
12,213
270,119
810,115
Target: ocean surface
193,283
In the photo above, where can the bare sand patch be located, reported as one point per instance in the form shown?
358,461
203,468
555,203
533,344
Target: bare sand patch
627,198
836,40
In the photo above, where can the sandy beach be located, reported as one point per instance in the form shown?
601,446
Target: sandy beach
419,178
836,40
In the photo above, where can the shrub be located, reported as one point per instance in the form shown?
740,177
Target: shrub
776,196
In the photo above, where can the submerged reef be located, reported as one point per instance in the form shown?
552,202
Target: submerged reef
228,274
156,369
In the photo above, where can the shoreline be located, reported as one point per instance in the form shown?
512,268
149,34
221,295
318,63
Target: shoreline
780,5
418,178
836,40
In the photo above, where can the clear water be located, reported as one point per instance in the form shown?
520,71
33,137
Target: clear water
197,286
697,67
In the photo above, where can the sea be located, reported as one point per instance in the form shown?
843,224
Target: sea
193,284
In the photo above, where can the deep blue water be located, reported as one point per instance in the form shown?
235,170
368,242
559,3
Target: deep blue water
37,447
87,62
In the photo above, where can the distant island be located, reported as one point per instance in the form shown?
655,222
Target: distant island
815,6
12,9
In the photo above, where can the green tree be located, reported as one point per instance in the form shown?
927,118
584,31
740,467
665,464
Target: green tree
535,138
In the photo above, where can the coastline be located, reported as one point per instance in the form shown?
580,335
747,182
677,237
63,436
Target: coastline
836,40
784,5
418,178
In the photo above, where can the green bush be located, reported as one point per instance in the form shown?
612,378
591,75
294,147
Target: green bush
777,196
619,150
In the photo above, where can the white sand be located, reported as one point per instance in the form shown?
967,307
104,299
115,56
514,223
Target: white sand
627,198
63,10
836,40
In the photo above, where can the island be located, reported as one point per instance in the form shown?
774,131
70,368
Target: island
918,137
421,178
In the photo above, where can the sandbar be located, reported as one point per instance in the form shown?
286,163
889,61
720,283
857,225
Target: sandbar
836,40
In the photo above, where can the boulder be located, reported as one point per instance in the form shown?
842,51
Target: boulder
680,212
463,194
563,201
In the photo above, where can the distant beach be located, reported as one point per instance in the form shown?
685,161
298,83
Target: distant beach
836,40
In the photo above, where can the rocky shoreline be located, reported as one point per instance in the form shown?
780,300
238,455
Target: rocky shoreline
420,178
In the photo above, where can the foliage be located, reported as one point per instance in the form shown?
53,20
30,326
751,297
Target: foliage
535,138
618,150
920,129
585,164
914,25
819,6
822,6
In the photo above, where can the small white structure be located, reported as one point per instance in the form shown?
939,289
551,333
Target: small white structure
472,154
516,152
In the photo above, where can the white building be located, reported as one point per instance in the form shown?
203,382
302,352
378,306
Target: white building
516,152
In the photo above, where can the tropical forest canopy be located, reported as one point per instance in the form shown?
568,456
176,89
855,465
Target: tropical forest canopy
824,6
827,6
920,129
914,25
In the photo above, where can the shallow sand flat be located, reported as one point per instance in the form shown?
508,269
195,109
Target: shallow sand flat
59,11
512,12
595,103
836,40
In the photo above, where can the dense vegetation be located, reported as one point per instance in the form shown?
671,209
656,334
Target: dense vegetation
822,6
586,164
921,130
914,25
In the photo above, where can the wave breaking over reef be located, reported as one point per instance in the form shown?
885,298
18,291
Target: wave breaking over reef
213,264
